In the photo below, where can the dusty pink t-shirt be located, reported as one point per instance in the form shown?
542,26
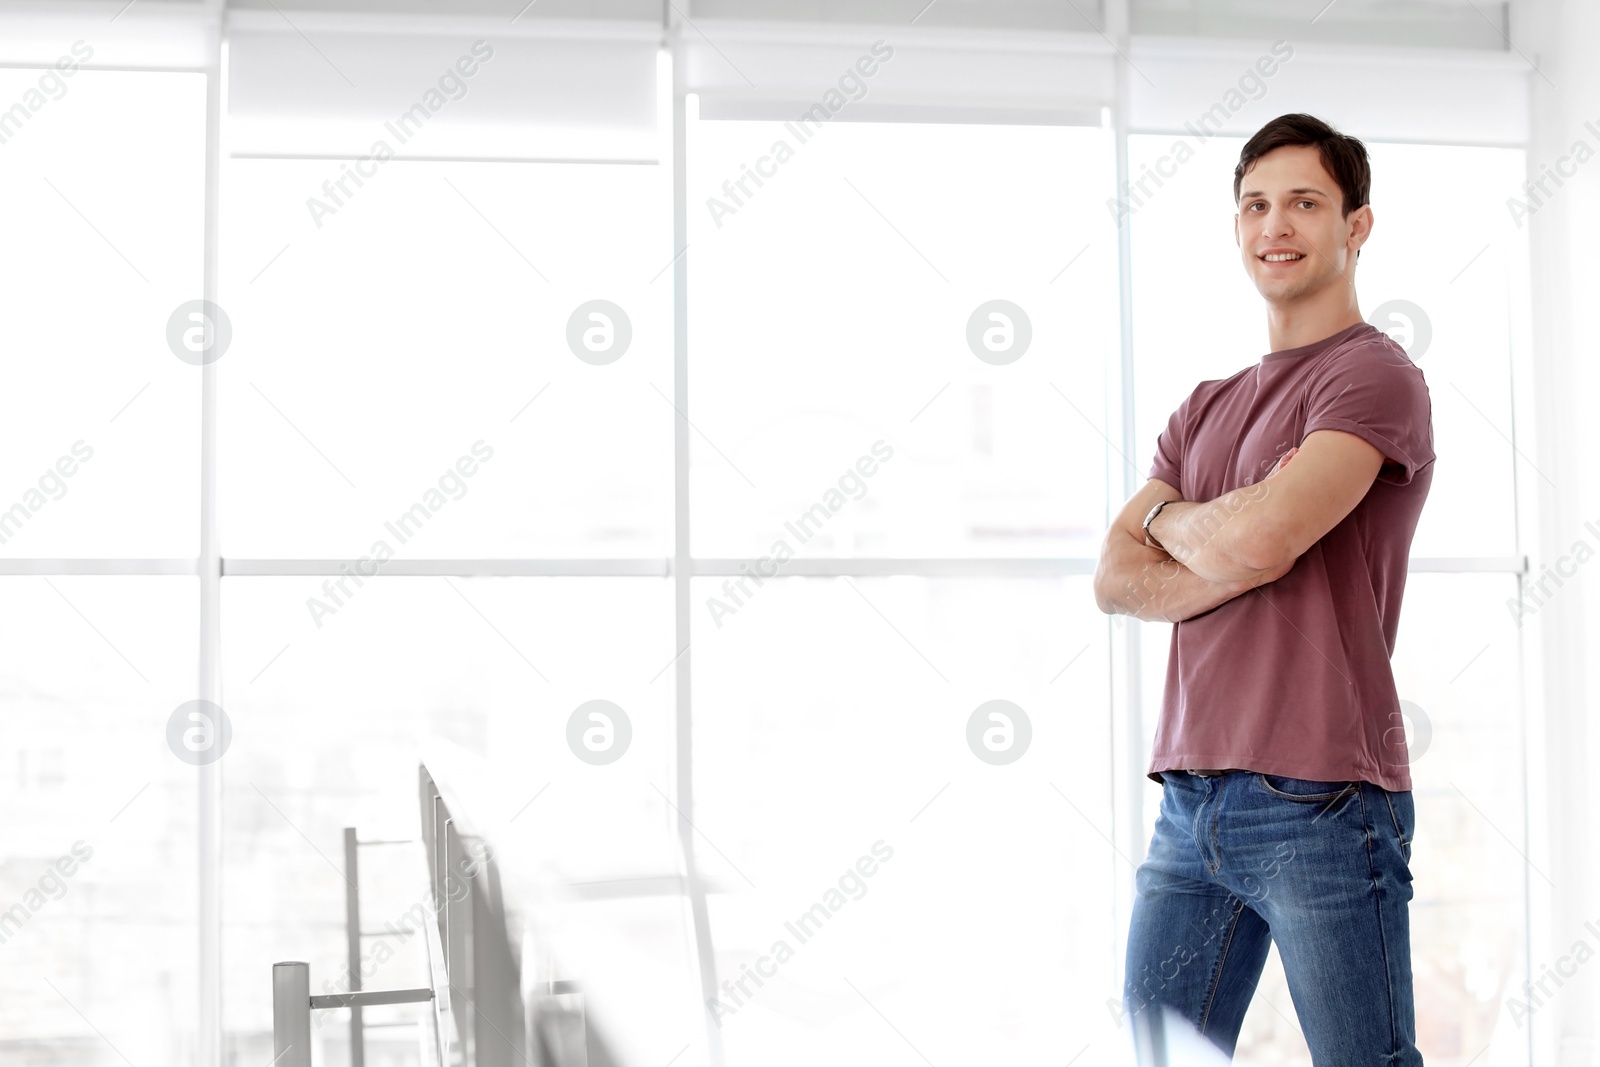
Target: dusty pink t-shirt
1293,678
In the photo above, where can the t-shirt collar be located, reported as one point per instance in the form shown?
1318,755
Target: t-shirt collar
1316,347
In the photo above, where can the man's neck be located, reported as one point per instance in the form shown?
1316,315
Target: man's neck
1296,327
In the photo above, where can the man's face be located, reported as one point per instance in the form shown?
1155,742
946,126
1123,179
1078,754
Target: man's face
1289,209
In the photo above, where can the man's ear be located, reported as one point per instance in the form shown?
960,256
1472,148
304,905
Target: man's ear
1360,226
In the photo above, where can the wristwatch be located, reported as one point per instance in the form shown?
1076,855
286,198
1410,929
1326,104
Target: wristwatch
1151,542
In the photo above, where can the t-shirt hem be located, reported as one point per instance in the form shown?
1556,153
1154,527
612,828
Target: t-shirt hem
1394,783
1160,473
1390,449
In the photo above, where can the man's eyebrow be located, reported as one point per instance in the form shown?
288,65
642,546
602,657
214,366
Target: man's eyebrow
1248,193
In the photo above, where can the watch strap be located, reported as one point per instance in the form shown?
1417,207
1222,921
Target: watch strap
1150,540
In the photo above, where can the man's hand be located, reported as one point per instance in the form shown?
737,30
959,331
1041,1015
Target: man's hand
1264,527
1135,579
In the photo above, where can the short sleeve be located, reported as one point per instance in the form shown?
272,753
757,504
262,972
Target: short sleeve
1168,462
1375,392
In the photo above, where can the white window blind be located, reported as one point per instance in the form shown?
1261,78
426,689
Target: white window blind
425,88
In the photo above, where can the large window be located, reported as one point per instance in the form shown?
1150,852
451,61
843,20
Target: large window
331,723
831,318
452,465
422,375
98,423
427,319
947,290
99,419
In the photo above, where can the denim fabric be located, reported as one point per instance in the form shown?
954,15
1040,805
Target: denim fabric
1322,869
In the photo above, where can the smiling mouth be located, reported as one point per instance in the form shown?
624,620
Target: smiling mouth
1282,257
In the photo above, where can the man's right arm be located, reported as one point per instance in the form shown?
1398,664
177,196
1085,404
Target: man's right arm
1135,579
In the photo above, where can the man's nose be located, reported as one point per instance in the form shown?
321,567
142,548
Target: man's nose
1276,222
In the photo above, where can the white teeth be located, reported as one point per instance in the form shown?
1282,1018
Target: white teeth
1282,257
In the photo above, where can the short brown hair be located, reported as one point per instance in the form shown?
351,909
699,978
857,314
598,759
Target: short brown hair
1344,156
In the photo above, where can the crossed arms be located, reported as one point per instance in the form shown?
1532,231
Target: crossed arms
1221,548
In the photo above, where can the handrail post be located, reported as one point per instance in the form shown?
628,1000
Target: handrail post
352,928
291,1014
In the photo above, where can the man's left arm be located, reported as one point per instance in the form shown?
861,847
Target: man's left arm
1267,525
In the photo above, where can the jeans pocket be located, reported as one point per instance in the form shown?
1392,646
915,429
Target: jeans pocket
1403,817
1308,790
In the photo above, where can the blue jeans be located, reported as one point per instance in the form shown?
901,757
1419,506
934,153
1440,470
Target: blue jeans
1320,868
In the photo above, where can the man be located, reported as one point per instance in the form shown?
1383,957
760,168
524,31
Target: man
1274,533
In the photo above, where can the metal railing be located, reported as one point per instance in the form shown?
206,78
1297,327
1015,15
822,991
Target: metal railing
292,1005
474,971
482,979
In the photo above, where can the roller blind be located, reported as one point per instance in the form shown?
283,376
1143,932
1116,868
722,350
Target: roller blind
163,35
1054,15
347,86
318,82
886,74
1399,95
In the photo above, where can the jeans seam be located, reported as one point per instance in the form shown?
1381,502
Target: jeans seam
1216,846
1383,937
1197,831
1216,973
